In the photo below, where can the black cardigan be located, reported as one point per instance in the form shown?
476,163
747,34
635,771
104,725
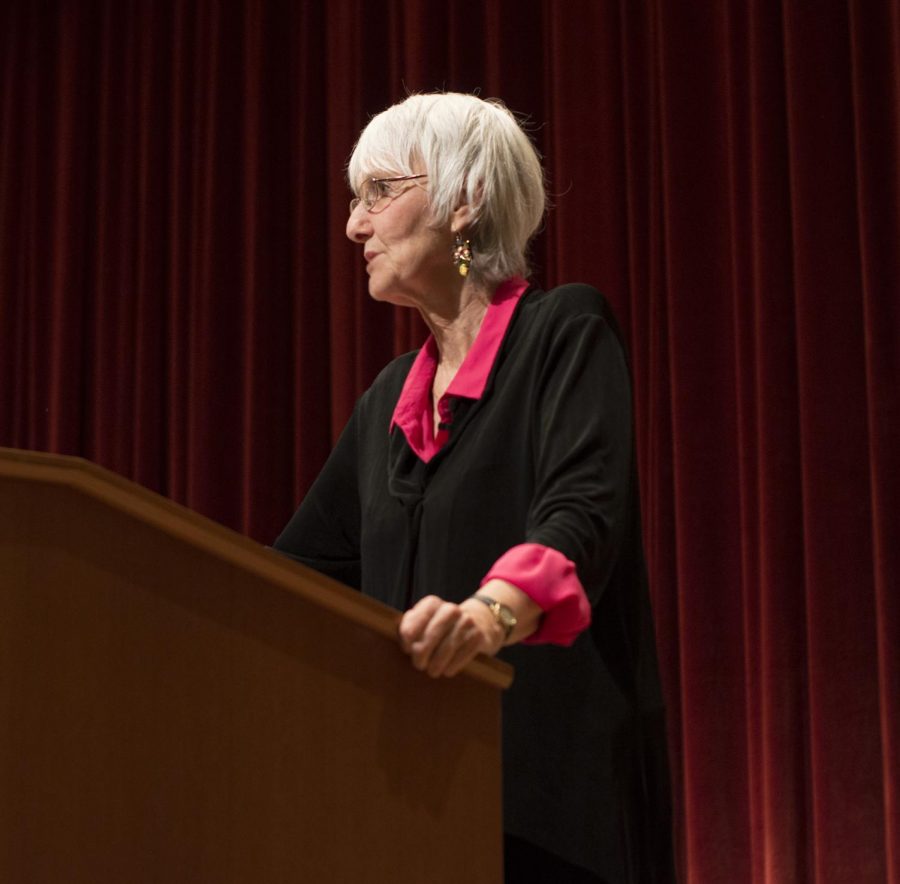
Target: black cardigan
545,456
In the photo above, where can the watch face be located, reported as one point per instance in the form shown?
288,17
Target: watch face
502,613
505,616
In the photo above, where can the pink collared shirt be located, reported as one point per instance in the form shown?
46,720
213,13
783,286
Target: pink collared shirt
542,573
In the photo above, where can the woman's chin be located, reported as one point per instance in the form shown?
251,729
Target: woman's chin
390,295
376,293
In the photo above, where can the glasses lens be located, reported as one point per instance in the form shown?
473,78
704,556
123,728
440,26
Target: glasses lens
373,194
367,196
376,193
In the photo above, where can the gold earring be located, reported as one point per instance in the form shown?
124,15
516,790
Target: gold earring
462,254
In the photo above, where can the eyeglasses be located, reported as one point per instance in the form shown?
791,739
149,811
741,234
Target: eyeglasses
375,194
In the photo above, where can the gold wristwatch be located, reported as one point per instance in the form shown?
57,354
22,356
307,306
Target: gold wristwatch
503,614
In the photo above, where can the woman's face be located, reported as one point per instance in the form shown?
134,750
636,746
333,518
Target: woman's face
407,260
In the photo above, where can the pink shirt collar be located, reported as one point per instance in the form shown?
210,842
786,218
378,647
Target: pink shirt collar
413,412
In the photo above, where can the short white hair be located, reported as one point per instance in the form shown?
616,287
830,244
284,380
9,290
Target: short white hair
473,150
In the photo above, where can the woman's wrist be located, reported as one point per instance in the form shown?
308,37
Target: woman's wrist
521,609
504,616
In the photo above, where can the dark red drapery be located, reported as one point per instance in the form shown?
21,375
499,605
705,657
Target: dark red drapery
178,303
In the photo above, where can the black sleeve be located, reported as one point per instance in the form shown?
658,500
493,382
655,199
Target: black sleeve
324,532
583,448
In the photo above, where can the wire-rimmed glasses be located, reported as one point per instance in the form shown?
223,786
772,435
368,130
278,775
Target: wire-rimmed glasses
375,194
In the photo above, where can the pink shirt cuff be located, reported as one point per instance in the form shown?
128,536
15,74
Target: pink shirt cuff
548,578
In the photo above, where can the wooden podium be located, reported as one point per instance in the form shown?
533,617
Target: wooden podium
180,704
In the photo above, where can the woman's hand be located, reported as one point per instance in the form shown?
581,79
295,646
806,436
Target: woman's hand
442,637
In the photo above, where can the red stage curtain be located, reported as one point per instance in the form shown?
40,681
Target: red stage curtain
178,303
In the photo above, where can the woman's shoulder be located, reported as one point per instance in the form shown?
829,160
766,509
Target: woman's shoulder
558,307
571,299
389,381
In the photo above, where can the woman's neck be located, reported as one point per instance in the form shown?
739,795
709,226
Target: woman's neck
455,324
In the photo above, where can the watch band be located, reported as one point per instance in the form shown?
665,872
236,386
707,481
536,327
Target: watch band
503,614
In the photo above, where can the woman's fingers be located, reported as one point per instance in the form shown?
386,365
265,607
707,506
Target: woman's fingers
458,632
416,619
465,653
442,629
441,637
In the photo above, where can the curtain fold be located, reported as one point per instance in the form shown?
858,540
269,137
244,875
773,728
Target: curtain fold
179,302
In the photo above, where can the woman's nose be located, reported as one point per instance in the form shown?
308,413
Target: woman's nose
358,227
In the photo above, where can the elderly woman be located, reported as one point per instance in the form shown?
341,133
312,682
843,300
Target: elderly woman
485,485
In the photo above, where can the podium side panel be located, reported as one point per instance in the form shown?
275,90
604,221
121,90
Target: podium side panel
172,717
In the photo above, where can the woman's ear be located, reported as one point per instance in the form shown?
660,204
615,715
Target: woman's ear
466,214
461,218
